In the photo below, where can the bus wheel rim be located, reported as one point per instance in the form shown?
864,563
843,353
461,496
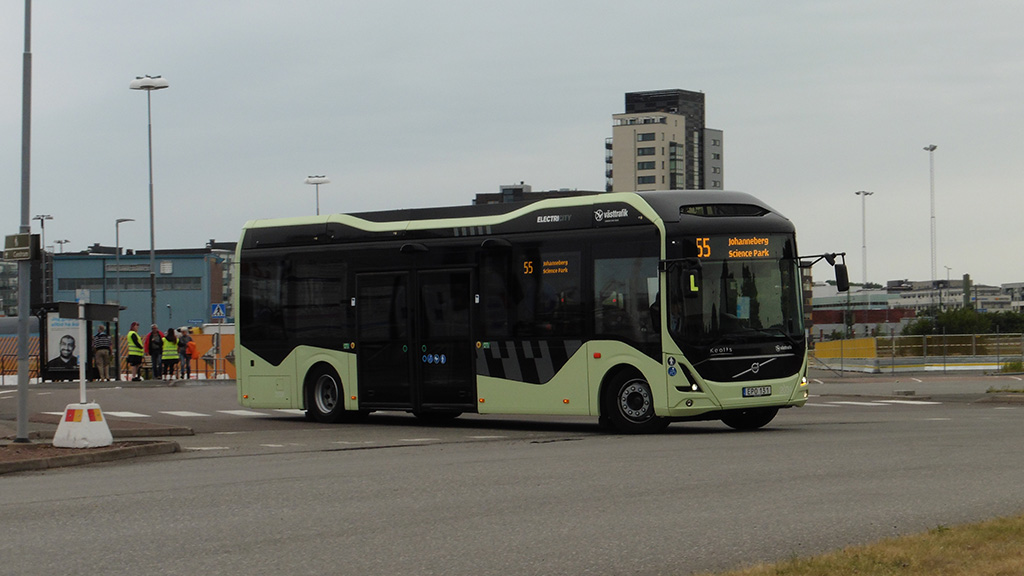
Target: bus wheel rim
635,401
326,393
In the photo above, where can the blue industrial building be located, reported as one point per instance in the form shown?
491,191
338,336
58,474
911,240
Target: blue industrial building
191,284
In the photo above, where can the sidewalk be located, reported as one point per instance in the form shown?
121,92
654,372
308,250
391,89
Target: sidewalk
953,387
131,439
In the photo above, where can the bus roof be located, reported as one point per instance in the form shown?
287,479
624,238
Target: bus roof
558,212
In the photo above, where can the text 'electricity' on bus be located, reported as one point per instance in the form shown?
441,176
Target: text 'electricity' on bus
637,308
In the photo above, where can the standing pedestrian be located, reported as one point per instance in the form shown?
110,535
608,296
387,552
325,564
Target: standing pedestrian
170,355
184,355
155,350
101,352
136,351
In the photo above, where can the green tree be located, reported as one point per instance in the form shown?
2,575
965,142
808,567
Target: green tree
919,327
963,321
1007,322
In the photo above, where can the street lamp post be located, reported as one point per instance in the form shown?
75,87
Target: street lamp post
61,243
317,181
931,179
864,230
949,289
117,257
149,84
42,241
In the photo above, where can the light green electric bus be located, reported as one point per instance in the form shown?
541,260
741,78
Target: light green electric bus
640,309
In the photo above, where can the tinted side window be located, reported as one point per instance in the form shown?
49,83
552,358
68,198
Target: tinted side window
624,290
548,284
315,293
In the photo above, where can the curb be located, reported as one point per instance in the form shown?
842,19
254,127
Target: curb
91,456
118,428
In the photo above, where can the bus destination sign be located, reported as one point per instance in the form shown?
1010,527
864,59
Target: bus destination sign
739,247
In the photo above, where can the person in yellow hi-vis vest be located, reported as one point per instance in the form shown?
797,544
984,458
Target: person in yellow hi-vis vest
135,351
170,355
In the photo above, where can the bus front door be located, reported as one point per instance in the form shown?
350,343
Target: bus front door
416,352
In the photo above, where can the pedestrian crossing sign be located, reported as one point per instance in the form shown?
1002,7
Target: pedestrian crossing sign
217,311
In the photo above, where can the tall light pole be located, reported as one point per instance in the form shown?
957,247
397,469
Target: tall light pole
149,84
42,241
61,243
117,257
931,179
864,230
949,290
317,181
25,266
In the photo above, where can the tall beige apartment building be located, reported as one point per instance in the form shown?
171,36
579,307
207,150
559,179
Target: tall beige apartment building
661,143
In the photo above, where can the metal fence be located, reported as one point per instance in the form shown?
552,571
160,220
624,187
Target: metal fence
216,361
988,352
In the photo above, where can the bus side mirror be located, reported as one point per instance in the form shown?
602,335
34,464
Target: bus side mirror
842,278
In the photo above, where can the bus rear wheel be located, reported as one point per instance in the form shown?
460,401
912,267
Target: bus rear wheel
629,405
325,398
750,419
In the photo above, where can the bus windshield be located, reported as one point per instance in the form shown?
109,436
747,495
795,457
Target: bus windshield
744,296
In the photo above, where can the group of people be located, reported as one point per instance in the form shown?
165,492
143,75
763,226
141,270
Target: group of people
170,353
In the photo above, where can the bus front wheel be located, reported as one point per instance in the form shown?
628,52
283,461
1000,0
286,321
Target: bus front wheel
629,405
750,419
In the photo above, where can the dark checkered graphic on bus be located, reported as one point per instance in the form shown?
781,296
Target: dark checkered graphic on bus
531,361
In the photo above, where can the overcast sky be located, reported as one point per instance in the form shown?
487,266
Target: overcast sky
409,104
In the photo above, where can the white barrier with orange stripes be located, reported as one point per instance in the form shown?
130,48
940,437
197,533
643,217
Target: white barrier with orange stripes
82,426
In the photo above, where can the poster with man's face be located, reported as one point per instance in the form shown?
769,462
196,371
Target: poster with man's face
62,346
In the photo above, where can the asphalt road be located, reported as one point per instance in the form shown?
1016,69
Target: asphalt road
269,493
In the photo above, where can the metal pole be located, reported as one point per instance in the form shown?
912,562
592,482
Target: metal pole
117,262
931,179
25,266
84,347
864,231
152,242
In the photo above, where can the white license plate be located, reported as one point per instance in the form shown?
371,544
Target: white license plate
755,391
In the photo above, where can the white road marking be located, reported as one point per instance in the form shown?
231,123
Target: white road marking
184,413
127,414
206,448
851,403
913,402
292,411
242,412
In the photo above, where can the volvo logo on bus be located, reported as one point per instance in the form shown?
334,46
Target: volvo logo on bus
610,215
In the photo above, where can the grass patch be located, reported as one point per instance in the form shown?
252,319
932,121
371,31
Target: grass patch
1016,366
992,390
993,548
